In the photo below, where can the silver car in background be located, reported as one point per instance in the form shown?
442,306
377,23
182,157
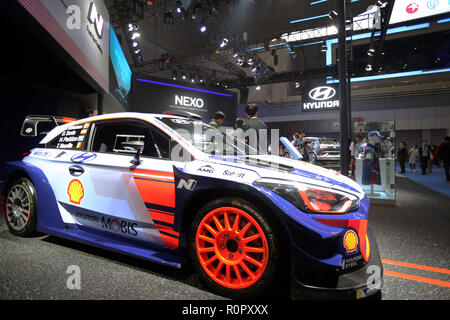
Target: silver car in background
325,152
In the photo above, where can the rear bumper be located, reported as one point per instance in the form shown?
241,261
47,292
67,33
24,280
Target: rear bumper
362,283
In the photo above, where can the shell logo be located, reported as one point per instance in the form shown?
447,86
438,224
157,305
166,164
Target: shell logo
75,191
350,241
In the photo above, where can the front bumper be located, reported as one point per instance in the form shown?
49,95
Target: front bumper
362,283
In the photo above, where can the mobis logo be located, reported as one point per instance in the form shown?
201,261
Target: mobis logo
95,18
189,102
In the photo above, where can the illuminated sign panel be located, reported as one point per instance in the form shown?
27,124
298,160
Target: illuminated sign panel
320,98
406,10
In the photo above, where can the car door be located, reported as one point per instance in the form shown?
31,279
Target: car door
132,202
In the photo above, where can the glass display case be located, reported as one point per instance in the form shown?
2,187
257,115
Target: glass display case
375,160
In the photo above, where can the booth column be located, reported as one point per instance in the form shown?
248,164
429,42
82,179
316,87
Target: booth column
100,103
343,89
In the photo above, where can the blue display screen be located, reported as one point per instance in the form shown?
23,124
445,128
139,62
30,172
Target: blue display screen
121,68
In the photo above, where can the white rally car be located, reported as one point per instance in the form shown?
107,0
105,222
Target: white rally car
163,188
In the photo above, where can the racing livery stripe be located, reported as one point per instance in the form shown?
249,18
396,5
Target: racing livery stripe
170,237
156,207
162,216
167,230
158,192
153,172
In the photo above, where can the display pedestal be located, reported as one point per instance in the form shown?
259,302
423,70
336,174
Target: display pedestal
384,193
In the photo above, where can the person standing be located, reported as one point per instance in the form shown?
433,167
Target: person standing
355,149
444,155
259,128
424,154
413,158
217,121
402,156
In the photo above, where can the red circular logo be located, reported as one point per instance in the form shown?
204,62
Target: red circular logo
412,8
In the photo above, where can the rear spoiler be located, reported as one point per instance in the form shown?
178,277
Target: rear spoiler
182,113
29,126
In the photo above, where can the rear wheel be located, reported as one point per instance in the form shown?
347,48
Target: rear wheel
234,248
21,207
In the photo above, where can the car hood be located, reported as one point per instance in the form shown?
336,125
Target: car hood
247,169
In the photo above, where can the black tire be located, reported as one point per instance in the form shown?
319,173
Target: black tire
21,207
272,244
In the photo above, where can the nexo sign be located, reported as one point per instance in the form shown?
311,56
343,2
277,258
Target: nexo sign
320,98
186,101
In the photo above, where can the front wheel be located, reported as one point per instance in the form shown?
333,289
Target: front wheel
21,207
234,248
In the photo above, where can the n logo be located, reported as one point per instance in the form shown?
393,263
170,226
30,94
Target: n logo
96,19
188,185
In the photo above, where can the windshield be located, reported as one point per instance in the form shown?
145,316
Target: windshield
328,141
208,139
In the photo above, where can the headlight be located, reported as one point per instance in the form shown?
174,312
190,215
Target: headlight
311,199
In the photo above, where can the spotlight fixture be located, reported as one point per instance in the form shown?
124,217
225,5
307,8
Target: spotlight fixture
235,54
135,35
224,42
324,48
240,62
369,67
202,26
371,52
258,88
333,15
134,44
297,85
137,51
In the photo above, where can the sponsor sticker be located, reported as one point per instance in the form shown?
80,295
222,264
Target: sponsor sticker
75,190
83,157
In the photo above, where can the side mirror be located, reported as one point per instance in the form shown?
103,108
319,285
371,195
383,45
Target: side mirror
137,146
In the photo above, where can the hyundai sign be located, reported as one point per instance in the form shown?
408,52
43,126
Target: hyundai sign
320,98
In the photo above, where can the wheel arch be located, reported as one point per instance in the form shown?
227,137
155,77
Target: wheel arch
201,197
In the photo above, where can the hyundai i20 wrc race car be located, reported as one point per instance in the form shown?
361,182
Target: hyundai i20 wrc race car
158,187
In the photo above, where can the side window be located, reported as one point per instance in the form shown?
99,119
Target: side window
108,137
162,143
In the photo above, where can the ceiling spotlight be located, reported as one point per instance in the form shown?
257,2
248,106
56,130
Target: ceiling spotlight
224,42
137,51
134,44
135,35
249,61
258,88
184,77
130,27
369,67
240,62
324,48
254,68
235,53
202,28
297,85
333,15
371,52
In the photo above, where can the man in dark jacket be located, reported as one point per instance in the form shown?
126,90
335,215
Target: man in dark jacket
402,156
424,153
444,155
217,121
255,128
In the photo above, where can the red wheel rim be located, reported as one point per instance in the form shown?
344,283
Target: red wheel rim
231,247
